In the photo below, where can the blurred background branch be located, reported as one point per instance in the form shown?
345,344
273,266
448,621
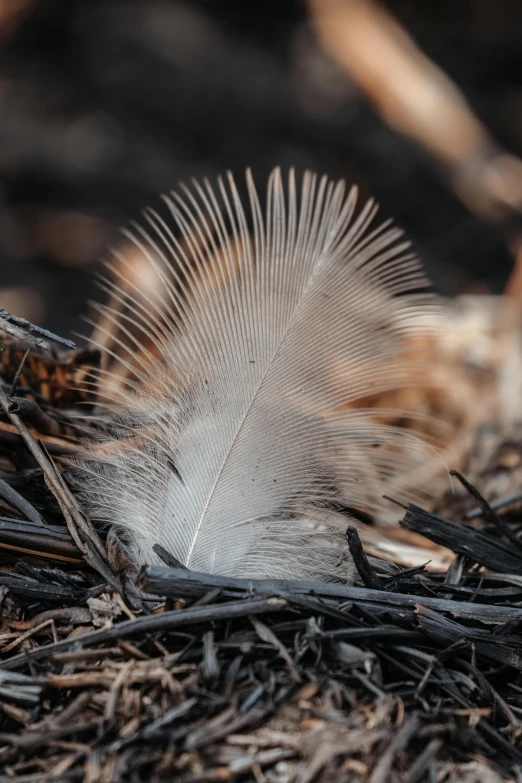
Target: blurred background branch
416,98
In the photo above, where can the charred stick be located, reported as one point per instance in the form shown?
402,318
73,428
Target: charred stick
474,544
16,378
178,583
24,330
362,564
168,558
80,528
30,412
488,512
516,497
164,621
22,505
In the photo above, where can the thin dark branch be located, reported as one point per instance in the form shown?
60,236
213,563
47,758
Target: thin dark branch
362,564
488,512
22,329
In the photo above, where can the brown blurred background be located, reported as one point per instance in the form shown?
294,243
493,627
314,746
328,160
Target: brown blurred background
106,103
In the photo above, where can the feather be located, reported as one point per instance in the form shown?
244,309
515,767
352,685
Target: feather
240,428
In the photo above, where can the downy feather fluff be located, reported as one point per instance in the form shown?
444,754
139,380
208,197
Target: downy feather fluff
241,432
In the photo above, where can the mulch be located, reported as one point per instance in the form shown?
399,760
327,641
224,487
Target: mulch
409,675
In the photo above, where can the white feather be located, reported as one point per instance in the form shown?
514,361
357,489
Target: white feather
273,331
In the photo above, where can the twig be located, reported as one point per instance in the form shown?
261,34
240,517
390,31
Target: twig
16,378
30,412
474,544
20,503
178,583
80,528
155,622
488,512
381,773
24,330
423,761
167,558
362,564
47,541
516,497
